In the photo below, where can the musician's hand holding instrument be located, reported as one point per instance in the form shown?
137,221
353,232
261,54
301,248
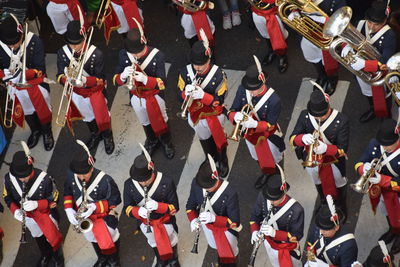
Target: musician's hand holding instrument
195,225
143,212
307,139
18,215
358,64
140,77
321,148
268,230
151,205
71,215
128,71
206,217
91,207
249,123
30,205
375,179
198,93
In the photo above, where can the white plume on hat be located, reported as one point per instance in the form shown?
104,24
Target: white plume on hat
143,39
90,158
261,75
150,165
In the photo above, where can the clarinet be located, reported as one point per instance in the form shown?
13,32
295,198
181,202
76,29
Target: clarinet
196,237
257,244
23,225
146,198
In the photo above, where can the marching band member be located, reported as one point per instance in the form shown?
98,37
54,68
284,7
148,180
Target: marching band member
213,206
125,11
31,103
32,191
384,193
151,197
383,38
61,12
329,176
271,28
206,84
330,243
102,196
379,257
142,69
264,145
192,22
88,99
326,66
280,219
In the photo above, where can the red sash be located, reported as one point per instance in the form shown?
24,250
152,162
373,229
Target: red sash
102,235
330,64
18,113
37,99
73,114
392,204
48,228
73,8
224,250
131,10
264,155
153,111
284,258
327,180
378,98
111,23
200,111
200,21
277,39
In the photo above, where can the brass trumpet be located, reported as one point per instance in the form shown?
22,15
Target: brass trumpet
187,102
103,12
194,5
362,185
394,66
305,26
259,4
131,81
312,159
239,131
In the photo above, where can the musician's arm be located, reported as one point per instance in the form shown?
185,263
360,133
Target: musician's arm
366,156
130,205
98,76
233,218
348,253
299,130
158,82
61,64
181,86
236,105
256,216
119,69
171,206
47,200
11,203
219,95
342,140
295,229
273,111
112,200
38,55
192,205
68,193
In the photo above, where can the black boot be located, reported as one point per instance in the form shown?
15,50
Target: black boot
322,199
48,140
342,203
270,54
166,142
108,141
220,264
321,75
46,251
58,258
369,114
389,235
113,259
34,124
95,136
101,259
209,147
159,263
396,245
330,85
223,165
283,63
174,262
151,142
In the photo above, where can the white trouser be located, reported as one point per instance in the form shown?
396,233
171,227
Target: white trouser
201,128
317,263
113,232
189,28
25,101
366,89
34,227
273,256
339,179
172,235
84,106
233,241
139,105
60,16
382,206
311,53
276,154
122,19
261,26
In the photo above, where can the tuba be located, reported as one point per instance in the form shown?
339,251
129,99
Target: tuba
84,225
104,10
394,66
194,5
312,159
362,185
305,26
75,72
339,28
239,131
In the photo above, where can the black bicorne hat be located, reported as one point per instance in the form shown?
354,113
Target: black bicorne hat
376,257
204,177
73,34
377,12
81,162
133,42
198,54
251,81
274,189
387,134
10,31
140,170
317,105
21,166
323,219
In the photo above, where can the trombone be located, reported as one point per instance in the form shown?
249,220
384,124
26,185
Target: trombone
75,71
103,12
187,102
239,131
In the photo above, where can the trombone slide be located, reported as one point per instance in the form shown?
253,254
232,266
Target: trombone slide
8,110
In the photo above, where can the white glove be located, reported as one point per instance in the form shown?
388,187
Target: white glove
18,215
30,205
151,205
356,264
254,237
206,217
78,83
359,64
367,167
128,71
194,224
198,93
250,123
398,95
307,139
294,15
140,77
7,74
238,117
375,179
142,212
312,264
71,213
268,230
189,89
346,50
90,209
317,18
394,79
321,148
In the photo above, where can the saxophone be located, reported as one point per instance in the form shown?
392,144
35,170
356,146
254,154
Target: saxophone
84,225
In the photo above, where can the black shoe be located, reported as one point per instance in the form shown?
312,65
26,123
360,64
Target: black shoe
388,236
94,140
283,64
48,141
268,58
223,164
152,141
58,258
166,142
108,142
43,261
367,116
330,85
33,139
396,245
101,262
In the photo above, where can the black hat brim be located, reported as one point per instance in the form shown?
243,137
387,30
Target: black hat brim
249,86
318,113
133,47
142,177
270,195
20,174
71,40
369,15
386,142
205,184
323,224
11,41
80,168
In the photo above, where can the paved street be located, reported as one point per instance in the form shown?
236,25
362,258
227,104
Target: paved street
234,53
